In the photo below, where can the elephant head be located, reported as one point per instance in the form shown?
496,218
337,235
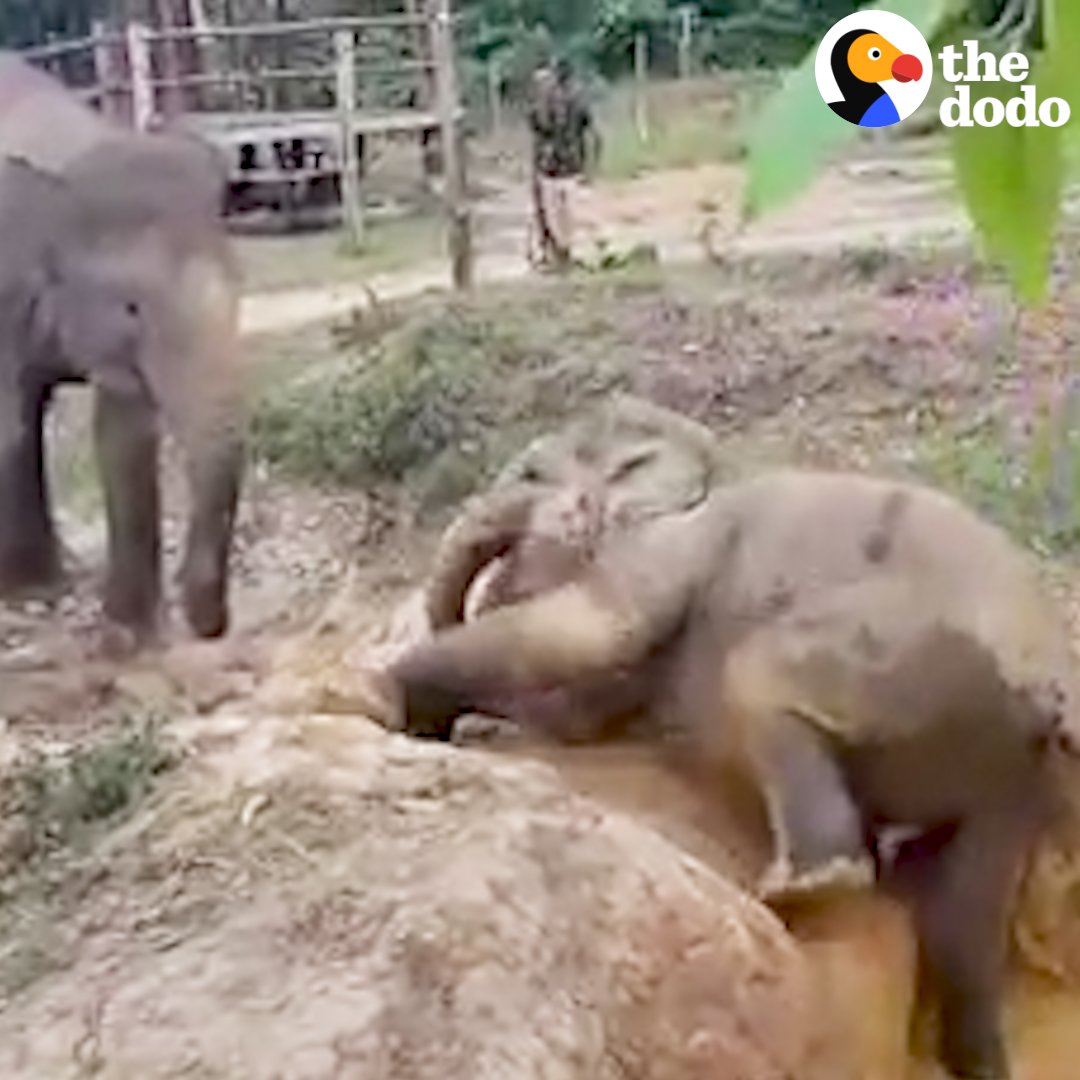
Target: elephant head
608,472
115,271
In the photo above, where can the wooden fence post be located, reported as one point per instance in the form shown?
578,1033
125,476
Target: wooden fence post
494,85
143,98
415,10
105,70
460,230
641,84
351,194
686,40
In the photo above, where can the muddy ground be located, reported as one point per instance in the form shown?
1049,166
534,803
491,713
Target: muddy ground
856,328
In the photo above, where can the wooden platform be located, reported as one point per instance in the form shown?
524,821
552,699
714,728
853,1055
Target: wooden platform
320,132
316,124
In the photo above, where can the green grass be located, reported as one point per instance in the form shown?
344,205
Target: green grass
1032,489
688,125
52,810
49,805
434,394
685,141
57,802
421,406
297,261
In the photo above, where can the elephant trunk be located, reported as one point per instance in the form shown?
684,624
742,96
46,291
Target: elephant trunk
200,392
490,527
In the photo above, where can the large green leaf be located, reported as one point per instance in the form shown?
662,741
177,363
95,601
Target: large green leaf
797,131
1012,181
1062,21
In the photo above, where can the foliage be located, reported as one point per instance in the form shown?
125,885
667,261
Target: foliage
598,35
30,22
795,135
54,802
420,405
692,122
1035,495
1012,179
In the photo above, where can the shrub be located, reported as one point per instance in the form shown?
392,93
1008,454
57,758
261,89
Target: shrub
1031,490
426,400
55,801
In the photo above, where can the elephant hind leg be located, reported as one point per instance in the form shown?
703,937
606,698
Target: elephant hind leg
127,445
29,551
962,898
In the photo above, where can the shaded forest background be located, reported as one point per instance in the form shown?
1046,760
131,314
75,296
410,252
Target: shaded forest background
597,34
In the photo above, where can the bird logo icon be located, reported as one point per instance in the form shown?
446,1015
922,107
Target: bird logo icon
873,69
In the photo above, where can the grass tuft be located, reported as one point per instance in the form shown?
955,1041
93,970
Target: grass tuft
54,803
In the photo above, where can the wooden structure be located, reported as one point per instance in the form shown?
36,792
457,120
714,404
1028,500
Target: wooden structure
294,132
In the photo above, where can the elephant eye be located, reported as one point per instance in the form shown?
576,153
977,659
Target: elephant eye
531,474
875,54
132,308
631,465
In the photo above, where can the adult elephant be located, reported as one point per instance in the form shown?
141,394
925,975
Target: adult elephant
115,271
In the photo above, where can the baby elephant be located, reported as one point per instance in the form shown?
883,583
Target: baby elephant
871,653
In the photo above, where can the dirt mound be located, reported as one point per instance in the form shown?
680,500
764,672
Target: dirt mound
314,898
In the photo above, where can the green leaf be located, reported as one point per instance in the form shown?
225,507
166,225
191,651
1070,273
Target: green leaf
1012,180
797,131
791,141
1062,27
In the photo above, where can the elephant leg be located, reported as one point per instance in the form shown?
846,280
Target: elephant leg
125,432
962,900
818,829
215,492
29,551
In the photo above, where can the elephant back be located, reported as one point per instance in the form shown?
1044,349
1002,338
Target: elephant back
41,120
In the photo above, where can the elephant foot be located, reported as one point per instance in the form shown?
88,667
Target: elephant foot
782,884
981,1062
37,575
118,642
205,605
475,729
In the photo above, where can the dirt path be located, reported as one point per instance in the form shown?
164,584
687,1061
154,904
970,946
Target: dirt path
888,202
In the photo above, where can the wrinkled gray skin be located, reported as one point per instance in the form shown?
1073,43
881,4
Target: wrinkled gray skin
115,272
872,654
624,463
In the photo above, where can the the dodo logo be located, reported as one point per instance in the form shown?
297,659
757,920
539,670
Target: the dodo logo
873,68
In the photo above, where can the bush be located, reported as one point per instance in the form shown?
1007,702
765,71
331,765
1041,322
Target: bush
1033,490
53,802
426,404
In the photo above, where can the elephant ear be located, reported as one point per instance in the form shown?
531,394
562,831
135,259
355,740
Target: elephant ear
30,188
35,210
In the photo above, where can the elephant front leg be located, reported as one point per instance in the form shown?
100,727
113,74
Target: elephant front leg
817,827
29,551
127,444
204,577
